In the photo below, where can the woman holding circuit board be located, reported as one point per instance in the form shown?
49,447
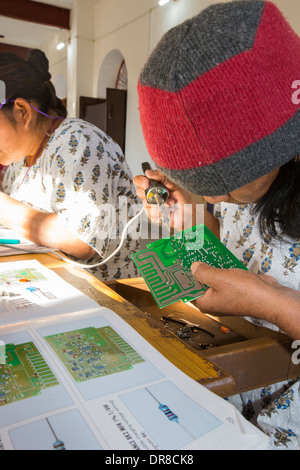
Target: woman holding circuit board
219,120
66,191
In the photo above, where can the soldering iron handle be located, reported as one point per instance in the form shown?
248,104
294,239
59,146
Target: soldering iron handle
156,193
147,166
152,183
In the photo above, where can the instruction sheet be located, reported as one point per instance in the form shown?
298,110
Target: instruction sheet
75,376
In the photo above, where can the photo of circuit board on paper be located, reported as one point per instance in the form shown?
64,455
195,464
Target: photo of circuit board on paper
165,264
25,374
90,353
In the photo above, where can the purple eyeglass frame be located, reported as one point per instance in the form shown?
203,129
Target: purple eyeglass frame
38,110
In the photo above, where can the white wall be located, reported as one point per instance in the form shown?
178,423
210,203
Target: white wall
76,61
58,59
132,27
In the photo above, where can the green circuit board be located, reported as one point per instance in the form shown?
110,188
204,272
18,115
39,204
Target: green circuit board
165,264
25,374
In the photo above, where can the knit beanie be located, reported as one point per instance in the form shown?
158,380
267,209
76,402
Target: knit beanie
215,97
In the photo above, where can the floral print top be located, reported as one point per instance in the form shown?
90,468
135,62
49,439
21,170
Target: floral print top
240,233
83,177
275,408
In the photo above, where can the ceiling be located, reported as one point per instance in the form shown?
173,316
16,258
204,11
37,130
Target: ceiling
27,34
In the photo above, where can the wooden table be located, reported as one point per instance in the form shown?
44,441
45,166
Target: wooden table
245,358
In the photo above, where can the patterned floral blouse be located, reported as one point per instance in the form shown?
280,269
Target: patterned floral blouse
275,408
83,177
240,233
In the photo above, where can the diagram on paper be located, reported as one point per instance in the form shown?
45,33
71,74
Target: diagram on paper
19,289
29,290
24,375
14,277
168,415
98,359
91,352
63,431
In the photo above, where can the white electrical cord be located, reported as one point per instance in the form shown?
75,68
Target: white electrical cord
81,265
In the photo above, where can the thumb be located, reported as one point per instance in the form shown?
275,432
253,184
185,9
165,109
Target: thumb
205,273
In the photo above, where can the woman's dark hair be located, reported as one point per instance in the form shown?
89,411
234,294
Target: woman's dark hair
30,80
279,209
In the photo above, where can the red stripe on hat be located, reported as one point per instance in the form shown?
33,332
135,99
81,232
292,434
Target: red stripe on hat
230,107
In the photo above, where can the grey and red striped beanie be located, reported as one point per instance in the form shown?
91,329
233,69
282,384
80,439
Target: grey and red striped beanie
215,97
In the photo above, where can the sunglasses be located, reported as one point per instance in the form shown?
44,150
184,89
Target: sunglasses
38,110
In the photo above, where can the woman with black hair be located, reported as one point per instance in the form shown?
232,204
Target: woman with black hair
216,109
66,180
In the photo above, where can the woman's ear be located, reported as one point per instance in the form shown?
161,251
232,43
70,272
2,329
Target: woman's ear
22,112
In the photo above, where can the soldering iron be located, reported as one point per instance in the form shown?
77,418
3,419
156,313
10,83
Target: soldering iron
157,193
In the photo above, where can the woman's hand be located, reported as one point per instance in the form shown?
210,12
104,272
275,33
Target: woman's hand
181,203
185,211
239,292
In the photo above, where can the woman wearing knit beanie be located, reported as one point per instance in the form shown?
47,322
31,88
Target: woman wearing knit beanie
219,120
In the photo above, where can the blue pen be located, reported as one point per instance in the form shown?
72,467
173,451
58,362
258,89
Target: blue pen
4,241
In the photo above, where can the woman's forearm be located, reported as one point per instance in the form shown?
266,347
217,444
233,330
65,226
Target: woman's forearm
41,228
284,310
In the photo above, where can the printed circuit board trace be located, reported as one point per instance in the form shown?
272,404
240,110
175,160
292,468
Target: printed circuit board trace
165,264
